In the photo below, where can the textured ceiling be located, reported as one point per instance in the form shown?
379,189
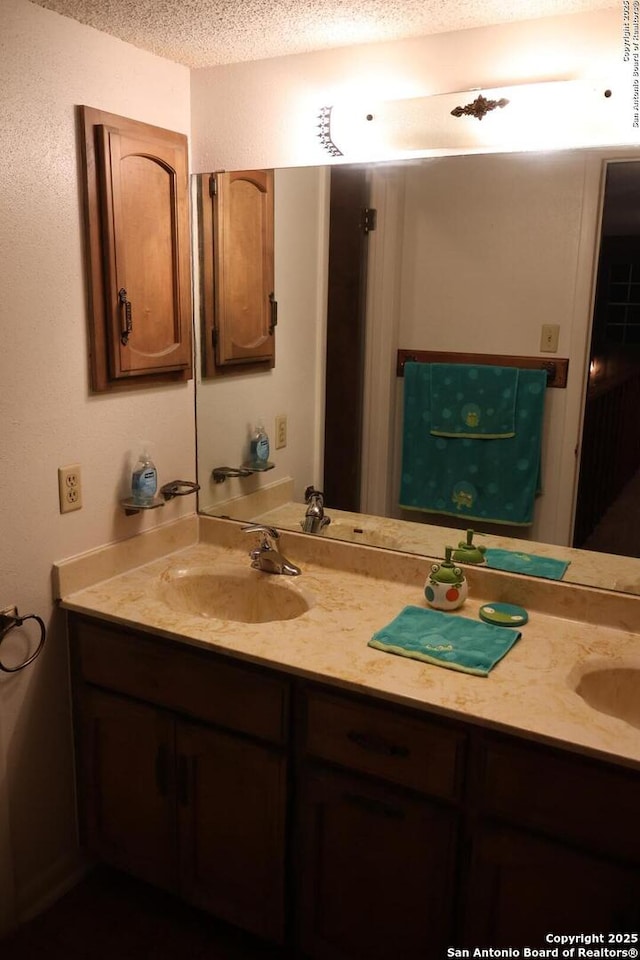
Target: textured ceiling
201,33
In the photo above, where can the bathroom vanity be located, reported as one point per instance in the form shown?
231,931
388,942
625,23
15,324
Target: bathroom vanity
342,801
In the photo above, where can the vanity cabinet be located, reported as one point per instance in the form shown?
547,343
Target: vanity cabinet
522,886
363,829
183,771
378,830
554,845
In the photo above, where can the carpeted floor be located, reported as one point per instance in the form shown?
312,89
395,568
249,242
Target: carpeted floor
110,916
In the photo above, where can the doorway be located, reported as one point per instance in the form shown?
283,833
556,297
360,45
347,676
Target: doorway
346,310
608,503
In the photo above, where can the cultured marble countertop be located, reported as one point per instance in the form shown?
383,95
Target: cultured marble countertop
530,692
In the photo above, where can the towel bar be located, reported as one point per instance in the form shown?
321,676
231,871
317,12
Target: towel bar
557,369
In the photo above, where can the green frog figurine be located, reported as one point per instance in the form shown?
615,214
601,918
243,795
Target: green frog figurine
446,586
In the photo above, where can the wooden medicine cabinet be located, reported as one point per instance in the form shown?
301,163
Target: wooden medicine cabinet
239,311
137,227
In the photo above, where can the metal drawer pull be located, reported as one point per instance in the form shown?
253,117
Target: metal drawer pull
374,806
126,325
369,741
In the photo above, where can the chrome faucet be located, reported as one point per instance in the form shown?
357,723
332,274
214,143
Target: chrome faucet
266,556
314,518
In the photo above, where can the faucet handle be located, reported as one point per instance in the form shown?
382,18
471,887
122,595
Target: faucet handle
270,533
312,492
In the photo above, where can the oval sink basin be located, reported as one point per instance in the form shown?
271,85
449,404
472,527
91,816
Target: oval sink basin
614,691
243,596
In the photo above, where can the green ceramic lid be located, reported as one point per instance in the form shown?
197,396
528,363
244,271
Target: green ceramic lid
446,572
468,552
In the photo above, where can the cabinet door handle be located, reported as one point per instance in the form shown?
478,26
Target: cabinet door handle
126,323
372,805
183,780
375,744
162,770
273,322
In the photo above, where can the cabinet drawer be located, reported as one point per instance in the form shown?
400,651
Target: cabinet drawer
199,684
572,798
423,755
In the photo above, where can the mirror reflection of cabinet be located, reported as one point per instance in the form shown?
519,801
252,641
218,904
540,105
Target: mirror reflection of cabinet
237,271
137,220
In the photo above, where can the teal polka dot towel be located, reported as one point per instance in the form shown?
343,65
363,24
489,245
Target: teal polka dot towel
469,400
495,479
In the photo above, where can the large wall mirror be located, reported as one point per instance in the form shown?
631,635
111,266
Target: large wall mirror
470,254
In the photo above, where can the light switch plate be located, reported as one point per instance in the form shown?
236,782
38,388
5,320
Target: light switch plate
549,336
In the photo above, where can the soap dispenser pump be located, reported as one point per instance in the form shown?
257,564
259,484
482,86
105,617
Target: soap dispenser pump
446,586
468,552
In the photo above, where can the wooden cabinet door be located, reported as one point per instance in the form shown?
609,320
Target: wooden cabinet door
375,872
126,757
238,270
137,204
521,887
231,814
146,226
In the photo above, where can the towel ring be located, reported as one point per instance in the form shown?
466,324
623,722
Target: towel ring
8,624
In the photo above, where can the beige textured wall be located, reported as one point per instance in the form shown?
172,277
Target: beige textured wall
48,64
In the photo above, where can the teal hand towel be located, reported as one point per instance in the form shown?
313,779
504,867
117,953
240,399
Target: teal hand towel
495,480
456,643
516,562
470,400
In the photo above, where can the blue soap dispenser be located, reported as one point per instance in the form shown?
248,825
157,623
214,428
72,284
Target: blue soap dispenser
259,448
144,479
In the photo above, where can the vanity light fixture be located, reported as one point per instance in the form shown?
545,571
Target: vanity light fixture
324,132
479,108
556,114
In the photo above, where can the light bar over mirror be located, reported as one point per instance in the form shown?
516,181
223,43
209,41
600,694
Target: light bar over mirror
531,116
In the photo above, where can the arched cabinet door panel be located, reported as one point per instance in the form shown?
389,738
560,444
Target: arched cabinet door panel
237,270
138,232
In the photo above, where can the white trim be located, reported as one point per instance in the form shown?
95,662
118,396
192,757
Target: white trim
381,342
322,293
582,323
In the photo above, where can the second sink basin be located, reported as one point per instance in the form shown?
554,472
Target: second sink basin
244,596
614,691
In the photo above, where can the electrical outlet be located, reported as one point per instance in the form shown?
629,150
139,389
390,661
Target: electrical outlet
281,431
70,488
549,337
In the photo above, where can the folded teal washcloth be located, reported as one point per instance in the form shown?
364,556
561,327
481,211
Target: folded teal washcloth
474,401
445,640
517,562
